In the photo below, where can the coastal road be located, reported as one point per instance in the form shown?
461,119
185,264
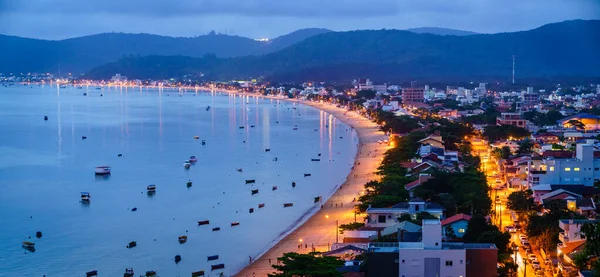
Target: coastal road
320,230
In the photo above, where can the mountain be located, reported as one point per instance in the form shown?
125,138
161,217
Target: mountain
83,53
441,31
561,49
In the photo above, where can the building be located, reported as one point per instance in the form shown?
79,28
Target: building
433,258
458,223
411,96
515,119
385,217
590,122
530,98
583,169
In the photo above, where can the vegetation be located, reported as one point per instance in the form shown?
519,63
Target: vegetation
457,192
587,259
543,230
525,146
521,201
350,226
543,119
488,117
307,265
495,133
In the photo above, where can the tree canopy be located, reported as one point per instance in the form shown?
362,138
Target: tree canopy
520,201
495,133
306,265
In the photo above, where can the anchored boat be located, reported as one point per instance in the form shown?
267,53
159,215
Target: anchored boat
217,266
254,191
198,273
236,223
151,188
187,164
28,245
182,239
251,181
128,272
102,170
193,159
85,197
216,229
203,222
261,205
212,258
91,273
288,205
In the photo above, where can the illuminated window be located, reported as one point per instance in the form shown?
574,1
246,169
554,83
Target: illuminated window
552,168
576,169
567,169
461,230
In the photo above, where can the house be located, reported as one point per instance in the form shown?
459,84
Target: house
570,237
515,119
422,179
546,138
432,257
404,231
385,217
458,223
561,168
435,141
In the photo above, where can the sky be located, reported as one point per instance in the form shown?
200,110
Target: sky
59,19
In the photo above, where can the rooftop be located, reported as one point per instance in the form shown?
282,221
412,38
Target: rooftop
455,218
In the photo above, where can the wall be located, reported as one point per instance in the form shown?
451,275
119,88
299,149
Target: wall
414,262
482,262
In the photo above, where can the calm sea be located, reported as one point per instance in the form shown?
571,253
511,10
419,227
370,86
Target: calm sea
44,165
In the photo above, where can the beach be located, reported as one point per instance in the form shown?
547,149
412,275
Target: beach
319,231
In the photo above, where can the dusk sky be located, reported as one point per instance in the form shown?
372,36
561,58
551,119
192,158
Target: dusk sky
58,19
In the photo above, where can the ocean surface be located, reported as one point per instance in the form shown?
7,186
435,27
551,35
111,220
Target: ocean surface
45,165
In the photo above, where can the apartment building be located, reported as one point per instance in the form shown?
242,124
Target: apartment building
411,96
515,119
582,169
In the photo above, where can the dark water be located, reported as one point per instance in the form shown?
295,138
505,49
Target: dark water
44,165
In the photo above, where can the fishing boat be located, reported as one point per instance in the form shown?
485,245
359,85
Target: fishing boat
217,266
203,222
187,164
317,199
102,170
315,160
295,129
251,210
274,187
177,258
235,223
128,272
212,258
196,137
261,205
85,197
216,229
193,159
307,174
251,126
242,127
28,245
254,191
132,244
150,273
84,94
83,137
182,239
189,183
293,184
239,170
198,273
151,188
250,181
203,142
267,149
91,273
288,205
319,155
38,234
208,108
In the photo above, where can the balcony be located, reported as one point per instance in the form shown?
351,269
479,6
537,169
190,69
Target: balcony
563,237
537,171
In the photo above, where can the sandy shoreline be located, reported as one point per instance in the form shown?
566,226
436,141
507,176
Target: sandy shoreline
319,230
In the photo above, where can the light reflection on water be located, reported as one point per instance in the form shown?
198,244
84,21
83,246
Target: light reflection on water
43,169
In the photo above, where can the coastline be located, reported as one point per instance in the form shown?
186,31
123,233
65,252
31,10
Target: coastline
317,227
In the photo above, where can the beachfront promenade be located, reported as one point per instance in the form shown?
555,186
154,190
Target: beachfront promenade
320,230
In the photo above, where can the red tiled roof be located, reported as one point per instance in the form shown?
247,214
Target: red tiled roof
558,154
433,157
421,167
455,218
545,135
422,179
408,165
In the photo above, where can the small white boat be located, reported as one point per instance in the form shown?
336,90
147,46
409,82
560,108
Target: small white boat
102,170
28,244
187,164
85,197
151,188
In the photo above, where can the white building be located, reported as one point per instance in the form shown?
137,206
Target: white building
433,258
583,169
385,217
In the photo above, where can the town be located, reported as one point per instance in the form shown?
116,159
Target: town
475,182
